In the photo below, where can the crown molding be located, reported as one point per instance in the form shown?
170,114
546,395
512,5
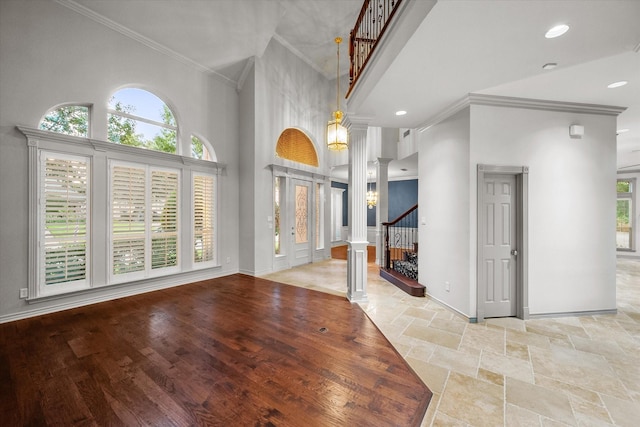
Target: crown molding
452,109
541,104
634,169
127,32
245,72
299,54
526,103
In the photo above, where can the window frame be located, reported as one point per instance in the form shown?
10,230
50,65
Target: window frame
70,286
148,271
101,153
631,195
137,118
206,146
215,261
89,108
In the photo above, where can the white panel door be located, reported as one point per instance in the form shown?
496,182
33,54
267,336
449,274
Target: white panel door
500,246
301,232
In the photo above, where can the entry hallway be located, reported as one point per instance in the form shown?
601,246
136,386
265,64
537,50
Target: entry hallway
576,371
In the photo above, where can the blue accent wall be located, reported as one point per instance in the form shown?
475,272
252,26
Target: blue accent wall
403,195
345,201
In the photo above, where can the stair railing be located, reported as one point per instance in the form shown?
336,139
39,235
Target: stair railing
371,24
400,235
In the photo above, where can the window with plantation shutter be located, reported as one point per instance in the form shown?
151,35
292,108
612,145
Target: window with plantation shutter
128,219
144,220
203,219
101,214
64,203
164,224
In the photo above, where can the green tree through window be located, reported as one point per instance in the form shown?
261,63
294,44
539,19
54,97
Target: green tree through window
122,130
140,119
69,120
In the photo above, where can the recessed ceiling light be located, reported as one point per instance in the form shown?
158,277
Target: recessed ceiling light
619,131
557,31
401,113
549,66
617,84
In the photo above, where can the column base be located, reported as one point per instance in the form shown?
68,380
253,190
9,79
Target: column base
357,271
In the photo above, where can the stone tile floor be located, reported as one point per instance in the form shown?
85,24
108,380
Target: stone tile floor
566,371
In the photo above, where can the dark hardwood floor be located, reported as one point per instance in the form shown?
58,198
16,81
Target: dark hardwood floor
233,351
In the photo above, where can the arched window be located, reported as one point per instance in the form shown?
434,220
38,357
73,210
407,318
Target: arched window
201,149
68,119
293,144
141,119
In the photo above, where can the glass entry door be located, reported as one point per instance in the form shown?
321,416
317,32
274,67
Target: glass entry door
301,232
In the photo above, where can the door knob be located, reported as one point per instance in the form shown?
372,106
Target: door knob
514,252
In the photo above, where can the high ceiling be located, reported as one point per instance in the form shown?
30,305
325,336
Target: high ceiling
484,46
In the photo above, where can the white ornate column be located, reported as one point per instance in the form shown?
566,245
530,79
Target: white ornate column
382,208
357,238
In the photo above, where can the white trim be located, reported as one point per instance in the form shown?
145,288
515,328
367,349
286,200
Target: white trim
101,155
300,55
245,73
292,172
144,119
63,287
89,145
541,104
513,102
216,230
149,285
573,313
453,309
521,174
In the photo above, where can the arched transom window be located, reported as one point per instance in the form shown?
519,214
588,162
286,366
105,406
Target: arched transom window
140,119
293,144
68,119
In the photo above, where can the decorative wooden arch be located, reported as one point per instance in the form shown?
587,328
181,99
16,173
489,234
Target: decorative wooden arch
295,145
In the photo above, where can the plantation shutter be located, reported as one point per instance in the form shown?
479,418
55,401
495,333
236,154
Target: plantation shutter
65,215
203,220
128,213
164,224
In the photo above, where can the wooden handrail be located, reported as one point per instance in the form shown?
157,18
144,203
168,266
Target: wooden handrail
368,31
395,221
386,225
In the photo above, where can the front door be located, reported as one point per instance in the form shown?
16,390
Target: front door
300,229
499,266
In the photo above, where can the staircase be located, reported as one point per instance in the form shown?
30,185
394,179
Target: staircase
400,261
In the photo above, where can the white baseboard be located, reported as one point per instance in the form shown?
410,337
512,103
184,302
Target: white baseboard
108,293
573,313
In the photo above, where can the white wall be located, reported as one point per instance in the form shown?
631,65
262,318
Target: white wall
288,93
572,264
51,55
443,173
571,204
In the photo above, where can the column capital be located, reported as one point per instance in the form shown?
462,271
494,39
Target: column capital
382,161
356,123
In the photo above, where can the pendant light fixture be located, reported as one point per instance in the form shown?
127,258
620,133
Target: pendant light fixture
337,138
372,196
